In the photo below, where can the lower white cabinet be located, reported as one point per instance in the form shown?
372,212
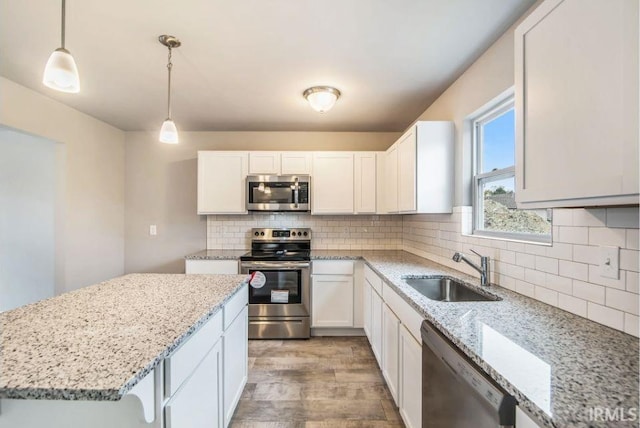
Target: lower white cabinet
332,301
235,341
390,349
211,266
376,325
366,308
198,402
410,379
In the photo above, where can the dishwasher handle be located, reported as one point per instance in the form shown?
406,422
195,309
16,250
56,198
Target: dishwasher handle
467,371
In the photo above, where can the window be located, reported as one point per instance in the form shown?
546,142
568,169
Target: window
494,206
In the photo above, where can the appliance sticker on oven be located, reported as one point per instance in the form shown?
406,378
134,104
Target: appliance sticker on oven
257,279
279,296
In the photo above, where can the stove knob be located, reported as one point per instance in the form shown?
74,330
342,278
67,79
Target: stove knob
305,234
299,233
261,233
257,233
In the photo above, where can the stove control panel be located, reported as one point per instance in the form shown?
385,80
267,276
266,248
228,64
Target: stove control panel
303,234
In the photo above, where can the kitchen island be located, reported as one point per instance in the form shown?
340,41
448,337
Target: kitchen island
123,352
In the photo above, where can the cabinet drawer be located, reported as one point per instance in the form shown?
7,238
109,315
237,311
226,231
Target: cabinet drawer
234,306
183,361
212,266
333,267
373,279
410,317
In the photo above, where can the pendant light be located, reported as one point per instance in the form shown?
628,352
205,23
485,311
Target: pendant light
321,98
169,132
61,72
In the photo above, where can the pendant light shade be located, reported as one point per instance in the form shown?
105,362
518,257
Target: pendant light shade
61,72
321,98
169,132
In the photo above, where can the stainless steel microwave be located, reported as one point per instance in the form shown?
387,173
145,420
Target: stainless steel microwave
278,193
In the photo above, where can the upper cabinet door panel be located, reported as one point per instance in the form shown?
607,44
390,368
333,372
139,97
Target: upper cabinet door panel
332,183
264,163
407,172
365,183
391,177
577,104
296,163
221,182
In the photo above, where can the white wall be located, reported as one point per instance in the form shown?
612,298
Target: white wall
28,176
92,242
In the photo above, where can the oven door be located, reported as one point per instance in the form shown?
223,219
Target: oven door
277,193
285,292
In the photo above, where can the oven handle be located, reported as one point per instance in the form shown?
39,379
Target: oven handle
274,266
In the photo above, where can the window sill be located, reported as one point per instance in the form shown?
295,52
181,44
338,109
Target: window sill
501,237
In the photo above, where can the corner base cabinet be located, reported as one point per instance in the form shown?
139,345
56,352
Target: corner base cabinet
576,102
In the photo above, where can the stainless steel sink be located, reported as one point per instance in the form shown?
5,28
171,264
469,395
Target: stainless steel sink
447,289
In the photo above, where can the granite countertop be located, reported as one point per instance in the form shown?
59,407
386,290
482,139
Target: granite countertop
556,364
97,342
216,255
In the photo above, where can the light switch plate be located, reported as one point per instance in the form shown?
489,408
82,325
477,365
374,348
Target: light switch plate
609,262
153,230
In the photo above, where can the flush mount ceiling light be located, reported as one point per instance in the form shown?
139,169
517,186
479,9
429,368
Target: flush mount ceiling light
61,72
169,132
321,98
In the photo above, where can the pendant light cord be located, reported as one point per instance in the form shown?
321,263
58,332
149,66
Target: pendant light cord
64,11
169,67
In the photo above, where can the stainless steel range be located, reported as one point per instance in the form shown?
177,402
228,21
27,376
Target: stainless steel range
279,287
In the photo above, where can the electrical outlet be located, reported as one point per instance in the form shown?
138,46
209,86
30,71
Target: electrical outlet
609,262
153,230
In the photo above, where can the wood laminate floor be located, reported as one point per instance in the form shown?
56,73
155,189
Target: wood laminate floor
324,382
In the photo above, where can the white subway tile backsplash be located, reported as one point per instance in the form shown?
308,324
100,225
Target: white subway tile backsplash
525,288
558,283
572,235
525,260
607,316
607,236
631,324
629,260
560,250
622,217
625,301
588,291
534,276
572,304
632,282
547,264
595,277
586,254
592,217
545,295
574,270
633,236
563,217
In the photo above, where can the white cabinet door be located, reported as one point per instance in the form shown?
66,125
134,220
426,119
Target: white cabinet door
235,347
264,163
365,183
198,403
332,301
376,326
296,163
381,183
390,349
221,182
410,379
211,266
407,172
332,186
391,176
366,308
576,67
523,420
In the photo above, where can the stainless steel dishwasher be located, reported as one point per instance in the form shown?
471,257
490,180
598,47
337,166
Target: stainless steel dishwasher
455,392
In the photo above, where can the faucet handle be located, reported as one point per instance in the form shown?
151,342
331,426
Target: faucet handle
477,253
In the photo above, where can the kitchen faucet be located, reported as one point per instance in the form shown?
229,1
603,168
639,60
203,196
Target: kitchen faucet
484,269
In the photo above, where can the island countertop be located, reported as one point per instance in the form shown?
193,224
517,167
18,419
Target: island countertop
97,342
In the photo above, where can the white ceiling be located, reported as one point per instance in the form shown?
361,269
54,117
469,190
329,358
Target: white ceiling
244,63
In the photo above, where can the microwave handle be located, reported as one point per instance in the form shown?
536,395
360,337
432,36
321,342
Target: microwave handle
296,193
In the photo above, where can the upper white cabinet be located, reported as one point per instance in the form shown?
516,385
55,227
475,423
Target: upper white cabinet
576,99
280,163
333,183
391,179
264,162
221,182
296,163
365,182
419,170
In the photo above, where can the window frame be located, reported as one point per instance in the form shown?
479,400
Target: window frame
488,114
